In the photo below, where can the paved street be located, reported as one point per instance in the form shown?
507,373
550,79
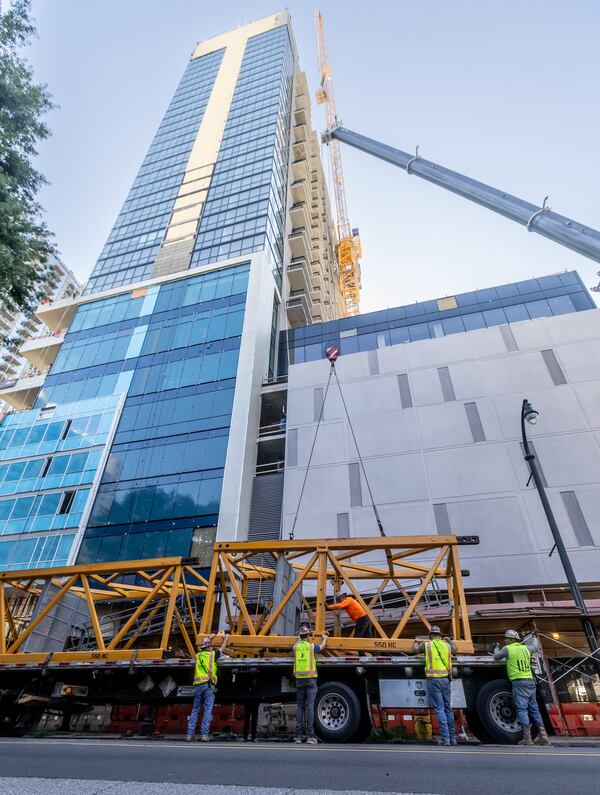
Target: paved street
116,767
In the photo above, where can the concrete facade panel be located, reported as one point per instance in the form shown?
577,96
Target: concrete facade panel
467,471
426,387
392,432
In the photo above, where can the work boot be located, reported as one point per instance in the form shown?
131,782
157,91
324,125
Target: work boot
204,738
542,738
454,741
443,742
190,738
312,741
298,740
526,738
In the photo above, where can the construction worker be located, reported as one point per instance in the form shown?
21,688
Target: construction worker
438,670
305,671
205,681
518,669
362,623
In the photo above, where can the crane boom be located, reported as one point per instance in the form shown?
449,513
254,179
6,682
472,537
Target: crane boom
348,249
542,220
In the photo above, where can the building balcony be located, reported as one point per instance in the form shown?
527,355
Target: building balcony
299,191
300,170
301,150
302,101
42,351
57,315
22,392
300,115
299,215
298,278
300,132
299,243
298,310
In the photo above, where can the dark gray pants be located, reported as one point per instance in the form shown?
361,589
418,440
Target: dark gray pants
306,693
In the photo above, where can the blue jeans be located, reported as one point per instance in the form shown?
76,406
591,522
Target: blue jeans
306,694
438,688
204,698
524,691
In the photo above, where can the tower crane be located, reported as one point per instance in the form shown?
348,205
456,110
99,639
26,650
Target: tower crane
348,248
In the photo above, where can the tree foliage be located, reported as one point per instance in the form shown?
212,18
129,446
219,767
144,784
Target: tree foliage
24,239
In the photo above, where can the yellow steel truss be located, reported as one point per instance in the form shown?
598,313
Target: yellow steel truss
167,589
340,562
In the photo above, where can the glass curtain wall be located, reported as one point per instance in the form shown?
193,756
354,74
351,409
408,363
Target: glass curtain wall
48,462
129,253
173,350
245,210
495,306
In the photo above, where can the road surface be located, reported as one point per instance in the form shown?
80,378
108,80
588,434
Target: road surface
144,767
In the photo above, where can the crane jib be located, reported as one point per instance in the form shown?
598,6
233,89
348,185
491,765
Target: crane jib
543,220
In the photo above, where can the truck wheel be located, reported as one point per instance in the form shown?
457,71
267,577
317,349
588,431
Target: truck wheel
497,714
338,713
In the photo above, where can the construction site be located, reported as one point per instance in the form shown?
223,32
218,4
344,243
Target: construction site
290,449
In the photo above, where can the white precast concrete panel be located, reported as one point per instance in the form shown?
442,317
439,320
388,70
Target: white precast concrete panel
444,425
513,372
440,351
588,397
569,460
426,387
559,416
467,380
467,471
384,434
580,361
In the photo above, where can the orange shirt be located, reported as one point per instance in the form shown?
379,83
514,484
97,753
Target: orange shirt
351,606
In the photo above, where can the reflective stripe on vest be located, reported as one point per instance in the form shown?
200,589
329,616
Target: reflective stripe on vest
518,662
438,660
206,668
305,666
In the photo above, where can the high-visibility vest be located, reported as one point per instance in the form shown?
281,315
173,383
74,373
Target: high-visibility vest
206,668
438,659
305,665
518,662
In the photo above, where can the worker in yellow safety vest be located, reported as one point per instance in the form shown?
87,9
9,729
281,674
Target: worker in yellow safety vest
518,670
205,682
305,672
438,670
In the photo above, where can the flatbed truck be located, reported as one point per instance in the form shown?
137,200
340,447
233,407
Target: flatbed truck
126,633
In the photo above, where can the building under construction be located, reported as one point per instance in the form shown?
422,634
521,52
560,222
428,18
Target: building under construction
189,398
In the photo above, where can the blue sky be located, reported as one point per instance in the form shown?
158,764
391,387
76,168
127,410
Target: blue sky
504,92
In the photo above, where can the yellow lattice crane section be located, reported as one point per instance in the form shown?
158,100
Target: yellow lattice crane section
348,250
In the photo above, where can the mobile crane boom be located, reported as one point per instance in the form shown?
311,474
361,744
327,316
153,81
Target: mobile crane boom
542,219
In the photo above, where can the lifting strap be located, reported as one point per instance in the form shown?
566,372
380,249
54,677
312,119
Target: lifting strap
332,355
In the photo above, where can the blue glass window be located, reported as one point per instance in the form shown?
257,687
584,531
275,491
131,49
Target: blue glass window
538,308
494,317
516,313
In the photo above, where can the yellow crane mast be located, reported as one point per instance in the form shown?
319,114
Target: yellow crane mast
349,250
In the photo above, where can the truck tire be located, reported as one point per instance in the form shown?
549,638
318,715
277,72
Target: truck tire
496,713
338,713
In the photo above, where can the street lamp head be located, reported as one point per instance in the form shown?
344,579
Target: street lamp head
529,413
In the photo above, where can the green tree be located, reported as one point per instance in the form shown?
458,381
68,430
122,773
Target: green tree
24,239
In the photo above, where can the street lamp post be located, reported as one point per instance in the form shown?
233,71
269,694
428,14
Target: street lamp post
530,414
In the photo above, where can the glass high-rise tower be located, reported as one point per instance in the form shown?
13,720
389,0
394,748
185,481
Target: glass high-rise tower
141,439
